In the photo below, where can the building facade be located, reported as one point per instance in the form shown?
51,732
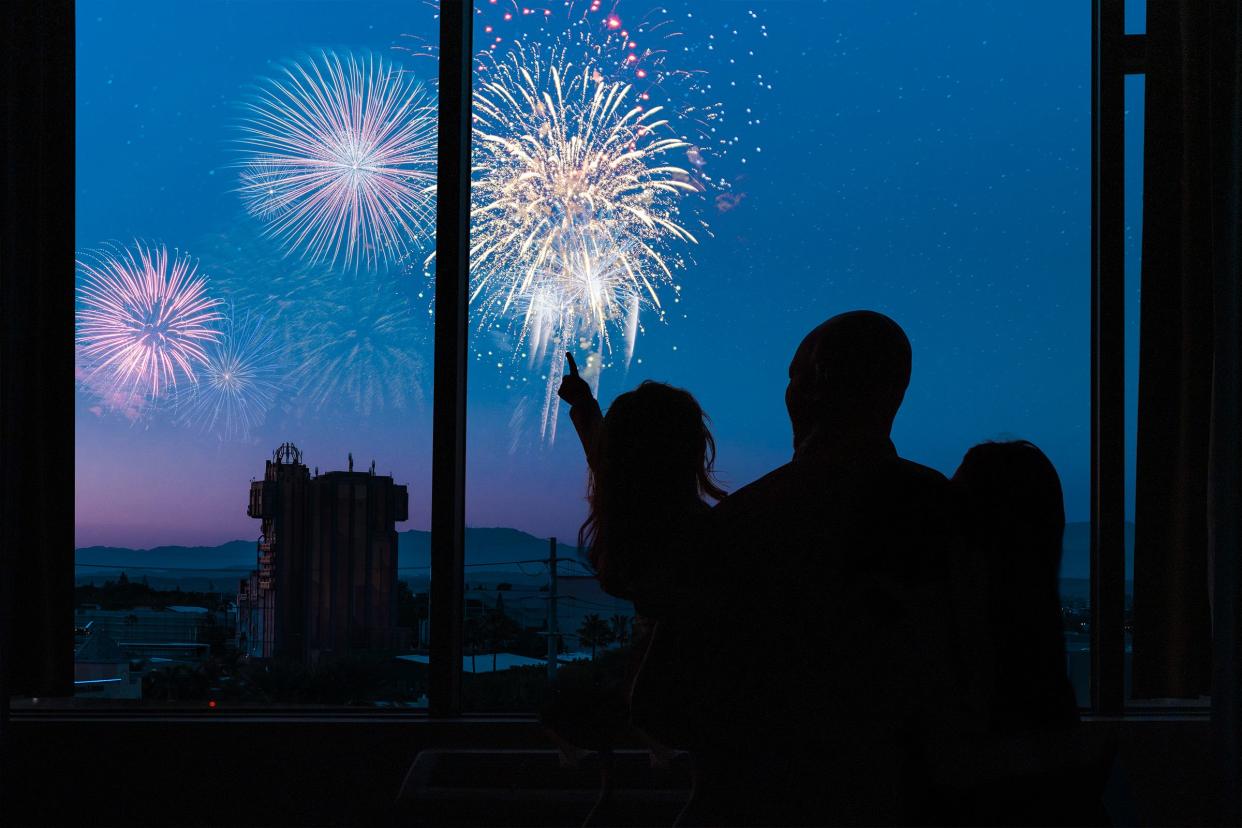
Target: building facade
327,562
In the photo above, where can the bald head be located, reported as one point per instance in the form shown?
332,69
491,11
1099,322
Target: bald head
849,374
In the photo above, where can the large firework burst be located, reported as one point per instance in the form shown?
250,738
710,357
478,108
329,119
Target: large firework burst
143,321
238,382
575,204
340,159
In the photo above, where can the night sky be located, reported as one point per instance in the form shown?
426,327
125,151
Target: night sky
929,160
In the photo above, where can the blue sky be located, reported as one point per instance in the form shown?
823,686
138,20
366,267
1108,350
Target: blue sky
926,159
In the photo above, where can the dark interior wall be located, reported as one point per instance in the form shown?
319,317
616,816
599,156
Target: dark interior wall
307,772
224,772
1168,771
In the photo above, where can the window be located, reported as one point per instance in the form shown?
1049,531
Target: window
948,188
931,162
256,200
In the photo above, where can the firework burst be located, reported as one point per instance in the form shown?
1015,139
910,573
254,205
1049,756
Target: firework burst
574,207
580,300
143,322
340,160
239,381
356,343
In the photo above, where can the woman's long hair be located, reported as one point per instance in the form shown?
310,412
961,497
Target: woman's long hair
1017,520
651,467
1019,511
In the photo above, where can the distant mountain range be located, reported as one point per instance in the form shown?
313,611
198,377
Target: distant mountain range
498,547
495,549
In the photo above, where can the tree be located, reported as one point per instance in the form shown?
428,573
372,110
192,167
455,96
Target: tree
498,631
594,632
411,608
473,639
620,625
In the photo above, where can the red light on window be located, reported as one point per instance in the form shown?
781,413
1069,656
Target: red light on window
211,703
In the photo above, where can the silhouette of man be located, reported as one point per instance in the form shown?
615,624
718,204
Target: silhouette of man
830,646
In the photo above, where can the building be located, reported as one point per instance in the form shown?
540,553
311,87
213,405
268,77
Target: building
327,562
147,625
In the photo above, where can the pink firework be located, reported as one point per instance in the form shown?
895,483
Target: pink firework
143,319
340,160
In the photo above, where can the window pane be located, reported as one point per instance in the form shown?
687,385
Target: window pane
930,162
255,204
1136,17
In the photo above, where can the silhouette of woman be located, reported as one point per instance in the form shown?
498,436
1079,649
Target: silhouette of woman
1015,517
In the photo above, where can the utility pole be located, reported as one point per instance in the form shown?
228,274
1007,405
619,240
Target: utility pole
553,633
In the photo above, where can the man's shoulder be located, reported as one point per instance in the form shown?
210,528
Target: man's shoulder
772,485
794,476
919,475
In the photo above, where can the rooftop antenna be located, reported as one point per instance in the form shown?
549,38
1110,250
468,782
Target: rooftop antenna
351,461
287,453
373,468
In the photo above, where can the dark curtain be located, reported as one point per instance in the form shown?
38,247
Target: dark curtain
36,349
1183,230
1187,572
1224,50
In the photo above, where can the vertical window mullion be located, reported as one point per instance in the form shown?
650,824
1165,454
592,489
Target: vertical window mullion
448,469
1107,357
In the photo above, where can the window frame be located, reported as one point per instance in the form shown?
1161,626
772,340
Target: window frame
38,444
1114,55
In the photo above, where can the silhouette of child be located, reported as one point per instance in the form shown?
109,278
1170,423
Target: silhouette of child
650,472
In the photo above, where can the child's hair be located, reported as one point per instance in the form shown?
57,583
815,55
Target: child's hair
651,463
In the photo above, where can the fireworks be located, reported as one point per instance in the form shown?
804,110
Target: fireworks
341,160
143,322
352,342
574,205
239,381
356,343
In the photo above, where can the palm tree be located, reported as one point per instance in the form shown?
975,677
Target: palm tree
594,632
498,629
620,628
474,638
